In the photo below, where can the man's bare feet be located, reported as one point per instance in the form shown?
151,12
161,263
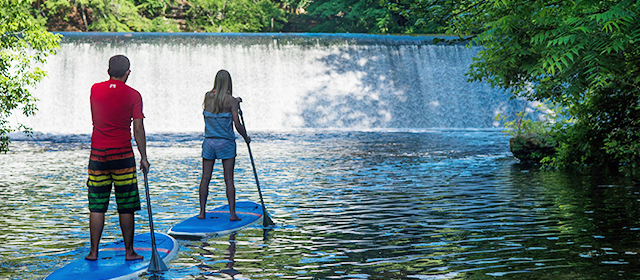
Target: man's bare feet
202,216
91,257
234,217
132,257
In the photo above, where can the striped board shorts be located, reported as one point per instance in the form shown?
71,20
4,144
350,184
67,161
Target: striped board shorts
218,148
115,167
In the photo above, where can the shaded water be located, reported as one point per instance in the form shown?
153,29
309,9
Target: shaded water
428,204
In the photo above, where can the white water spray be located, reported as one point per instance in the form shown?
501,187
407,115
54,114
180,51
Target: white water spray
358,82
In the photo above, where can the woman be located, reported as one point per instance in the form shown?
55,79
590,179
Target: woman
220,113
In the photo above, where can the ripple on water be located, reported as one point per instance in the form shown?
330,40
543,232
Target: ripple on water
369,205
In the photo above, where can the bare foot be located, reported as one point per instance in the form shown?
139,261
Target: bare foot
134,256
234,217
91,257
202,216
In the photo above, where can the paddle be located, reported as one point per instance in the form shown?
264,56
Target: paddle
266,220
156,264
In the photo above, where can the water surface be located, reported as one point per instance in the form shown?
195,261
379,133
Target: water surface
426,204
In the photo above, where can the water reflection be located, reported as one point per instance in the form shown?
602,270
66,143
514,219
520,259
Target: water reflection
444,204
212,264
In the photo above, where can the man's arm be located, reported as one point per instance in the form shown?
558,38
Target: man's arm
141,142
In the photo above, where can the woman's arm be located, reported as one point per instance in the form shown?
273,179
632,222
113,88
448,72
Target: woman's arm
236,120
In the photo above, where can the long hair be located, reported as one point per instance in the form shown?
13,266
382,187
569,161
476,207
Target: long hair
214,99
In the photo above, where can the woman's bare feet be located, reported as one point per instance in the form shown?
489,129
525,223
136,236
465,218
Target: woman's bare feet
202,216
132,257
91,257
234,217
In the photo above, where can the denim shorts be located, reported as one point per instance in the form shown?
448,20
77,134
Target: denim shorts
218,148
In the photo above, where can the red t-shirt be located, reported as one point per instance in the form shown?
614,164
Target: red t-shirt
113,105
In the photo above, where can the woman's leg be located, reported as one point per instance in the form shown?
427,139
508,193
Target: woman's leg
203,190
228,165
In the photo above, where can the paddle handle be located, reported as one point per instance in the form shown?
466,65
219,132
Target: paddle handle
266,221
146,192
156,264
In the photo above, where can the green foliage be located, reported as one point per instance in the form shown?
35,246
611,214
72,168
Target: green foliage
347,16
352,16
533,139
151,8
116,15
152,15
24,43
582,55
113,15
523,125
424,16
607,132
234,16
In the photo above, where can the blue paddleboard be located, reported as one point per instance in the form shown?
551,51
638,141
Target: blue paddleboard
217,221
111,263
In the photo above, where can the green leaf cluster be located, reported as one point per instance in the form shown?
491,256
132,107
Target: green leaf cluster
112,15
344,16
358,16
163,15
550,118
234,16
581,54
24,44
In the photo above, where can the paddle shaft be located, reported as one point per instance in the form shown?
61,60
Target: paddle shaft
266,221
156,263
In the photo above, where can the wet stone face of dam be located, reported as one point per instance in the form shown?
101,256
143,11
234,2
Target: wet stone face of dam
376,160
286,81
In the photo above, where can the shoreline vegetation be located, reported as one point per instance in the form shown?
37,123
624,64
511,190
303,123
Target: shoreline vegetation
334,16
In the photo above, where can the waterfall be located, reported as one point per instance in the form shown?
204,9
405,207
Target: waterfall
286,81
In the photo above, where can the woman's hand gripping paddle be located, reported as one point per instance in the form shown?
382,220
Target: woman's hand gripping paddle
156,264
266,221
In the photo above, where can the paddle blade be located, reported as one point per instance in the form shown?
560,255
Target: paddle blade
156,264
266,221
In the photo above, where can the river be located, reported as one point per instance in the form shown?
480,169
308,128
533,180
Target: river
376,158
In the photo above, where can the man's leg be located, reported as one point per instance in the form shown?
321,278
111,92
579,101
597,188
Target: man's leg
96,224
127,225
127,197
99,191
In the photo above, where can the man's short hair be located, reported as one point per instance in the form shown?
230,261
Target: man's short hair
118,66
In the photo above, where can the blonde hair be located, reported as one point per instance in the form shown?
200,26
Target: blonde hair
214,99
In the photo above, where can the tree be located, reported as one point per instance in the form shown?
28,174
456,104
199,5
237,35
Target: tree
110,15
349,16
234,16
424,16
24,44
582,55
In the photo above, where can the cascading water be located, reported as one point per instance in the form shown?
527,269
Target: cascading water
359,82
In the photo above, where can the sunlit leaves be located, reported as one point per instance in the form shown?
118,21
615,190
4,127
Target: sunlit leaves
234,16
357,16
24,44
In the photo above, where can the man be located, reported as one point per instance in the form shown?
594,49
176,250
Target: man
113,106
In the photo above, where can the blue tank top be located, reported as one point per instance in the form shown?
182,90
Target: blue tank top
218,125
